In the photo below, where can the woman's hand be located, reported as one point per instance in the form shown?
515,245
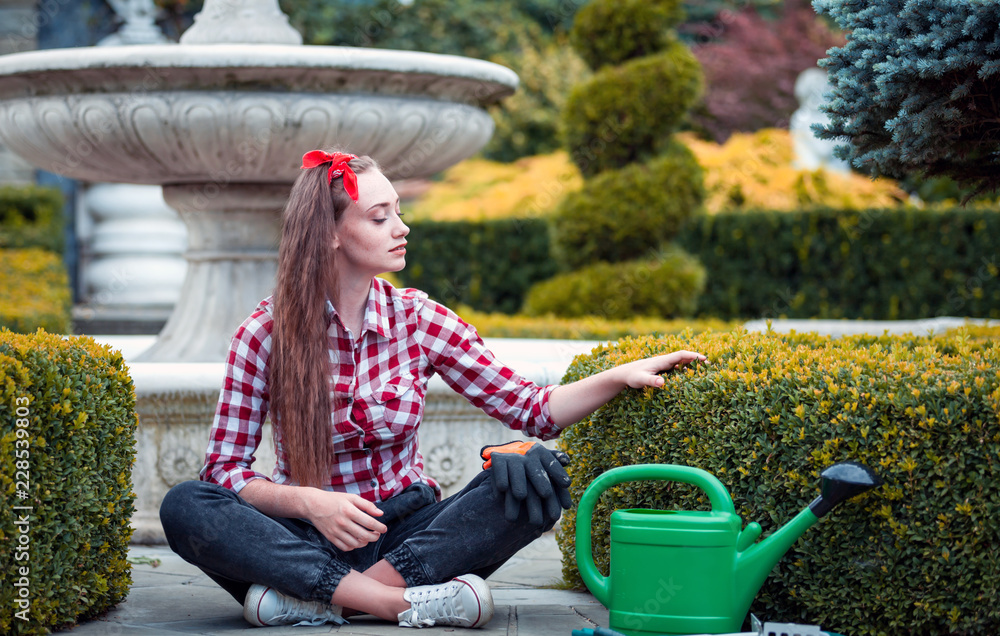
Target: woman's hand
643,373
347,520
571,403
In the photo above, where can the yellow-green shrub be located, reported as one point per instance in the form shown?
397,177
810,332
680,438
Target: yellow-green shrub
749,172
977,333
755,171
918,556
67,441
35,293
480,190
585,328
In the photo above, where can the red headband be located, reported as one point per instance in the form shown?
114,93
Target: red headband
337,167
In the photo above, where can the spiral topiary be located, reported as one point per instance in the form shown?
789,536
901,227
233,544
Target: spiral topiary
645,84
641,184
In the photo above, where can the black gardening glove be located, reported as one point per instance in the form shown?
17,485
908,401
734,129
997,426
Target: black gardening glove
530,474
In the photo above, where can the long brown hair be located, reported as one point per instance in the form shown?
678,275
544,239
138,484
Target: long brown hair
299,366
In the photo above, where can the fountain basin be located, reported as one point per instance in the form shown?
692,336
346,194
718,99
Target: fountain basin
210,113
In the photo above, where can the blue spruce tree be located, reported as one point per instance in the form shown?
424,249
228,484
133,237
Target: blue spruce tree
916,89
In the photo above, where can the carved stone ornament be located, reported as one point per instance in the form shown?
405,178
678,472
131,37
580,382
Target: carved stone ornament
223,138
446,464
178,464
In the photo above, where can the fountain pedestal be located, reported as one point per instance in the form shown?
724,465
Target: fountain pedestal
232,257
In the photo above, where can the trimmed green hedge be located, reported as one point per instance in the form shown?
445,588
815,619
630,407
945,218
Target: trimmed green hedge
918,556
488,265
31,216
35,293
822,263
67,441
828,263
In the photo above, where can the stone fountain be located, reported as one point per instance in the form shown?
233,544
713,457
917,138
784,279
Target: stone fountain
221,121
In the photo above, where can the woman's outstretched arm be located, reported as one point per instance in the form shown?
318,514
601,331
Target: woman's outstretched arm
571,403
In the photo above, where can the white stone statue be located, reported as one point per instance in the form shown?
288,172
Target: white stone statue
811,153
242,22
139,27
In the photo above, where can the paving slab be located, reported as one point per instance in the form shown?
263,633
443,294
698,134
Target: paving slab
837,328
549,620
174,602
170,596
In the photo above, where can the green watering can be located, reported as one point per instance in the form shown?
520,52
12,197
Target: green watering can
689,572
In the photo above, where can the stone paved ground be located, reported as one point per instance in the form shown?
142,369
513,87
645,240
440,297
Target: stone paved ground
176,598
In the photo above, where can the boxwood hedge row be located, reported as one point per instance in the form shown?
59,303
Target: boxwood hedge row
817,263
890,264
921,555
486,264
31,216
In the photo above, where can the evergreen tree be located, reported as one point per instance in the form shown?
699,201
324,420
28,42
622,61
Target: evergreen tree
915,88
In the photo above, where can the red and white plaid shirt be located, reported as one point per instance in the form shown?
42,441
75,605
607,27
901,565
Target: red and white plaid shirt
379,386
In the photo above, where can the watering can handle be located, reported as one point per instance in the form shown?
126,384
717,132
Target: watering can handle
596,582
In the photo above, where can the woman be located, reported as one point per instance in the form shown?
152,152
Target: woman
349,523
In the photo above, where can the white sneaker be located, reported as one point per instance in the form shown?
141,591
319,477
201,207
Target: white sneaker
267,606
464,601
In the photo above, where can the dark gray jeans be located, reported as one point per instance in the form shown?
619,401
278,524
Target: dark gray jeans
427,541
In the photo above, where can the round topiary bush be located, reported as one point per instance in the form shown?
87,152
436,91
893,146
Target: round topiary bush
917,556
611,32
622,214
626,113
665,287
67,445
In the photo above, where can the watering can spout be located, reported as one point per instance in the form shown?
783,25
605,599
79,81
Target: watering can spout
754,561
839,483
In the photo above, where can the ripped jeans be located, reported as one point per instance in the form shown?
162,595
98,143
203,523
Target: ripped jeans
427,541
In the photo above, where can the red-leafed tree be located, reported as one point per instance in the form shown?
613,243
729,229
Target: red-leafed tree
751,64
